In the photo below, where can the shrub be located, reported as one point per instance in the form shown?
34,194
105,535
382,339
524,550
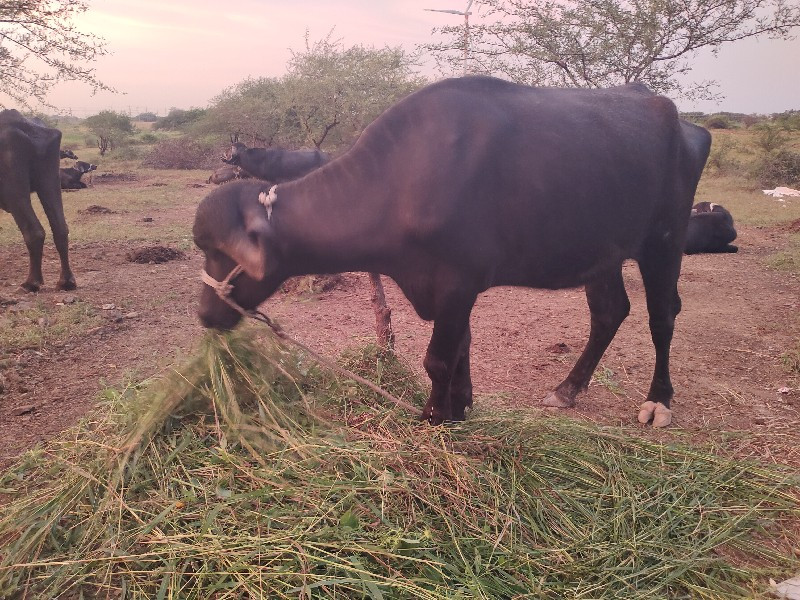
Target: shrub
182,153
779,168
720,160
717,122
771,138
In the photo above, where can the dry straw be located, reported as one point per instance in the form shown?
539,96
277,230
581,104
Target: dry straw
250,474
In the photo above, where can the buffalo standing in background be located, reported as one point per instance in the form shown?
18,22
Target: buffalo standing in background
273,164
29,162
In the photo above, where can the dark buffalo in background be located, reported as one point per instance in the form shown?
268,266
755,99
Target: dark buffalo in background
71,176
710,229
29,162
274,164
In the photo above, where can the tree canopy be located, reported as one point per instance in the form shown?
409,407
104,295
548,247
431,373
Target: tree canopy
599,43
40,46
111,129
328,95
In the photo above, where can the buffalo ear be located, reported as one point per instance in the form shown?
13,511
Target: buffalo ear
248,247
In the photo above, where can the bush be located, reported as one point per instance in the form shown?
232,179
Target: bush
147,138
779,168
720,160
717,122
182,153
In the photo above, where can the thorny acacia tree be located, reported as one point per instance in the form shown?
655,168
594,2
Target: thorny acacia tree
328,95
599,43
40,46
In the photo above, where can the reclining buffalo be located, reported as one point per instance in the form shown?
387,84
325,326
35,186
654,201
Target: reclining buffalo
473,183
710,229
29,162
273,164
226,174
71,176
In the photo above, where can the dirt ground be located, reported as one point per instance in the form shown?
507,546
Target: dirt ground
739,317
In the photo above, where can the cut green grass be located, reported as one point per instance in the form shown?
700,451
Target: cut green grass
249,473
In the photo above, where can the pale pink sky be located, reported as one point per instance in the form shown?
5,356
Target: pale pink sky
184,52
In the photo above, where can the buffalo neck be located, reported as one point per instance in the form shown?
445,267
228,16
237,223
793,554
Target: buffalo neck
333,220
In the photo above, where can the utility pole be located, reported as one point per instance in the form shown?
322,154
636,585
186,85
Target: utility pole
466,14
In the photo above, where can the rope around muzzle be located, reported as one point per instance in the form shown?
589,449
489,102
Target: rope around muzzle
224,289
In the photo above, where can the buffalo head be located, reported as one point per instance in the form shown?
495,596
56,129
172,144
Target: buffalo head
234,156
231,228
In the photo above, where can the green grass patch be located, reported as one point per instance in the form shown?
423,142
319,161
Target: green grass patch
248,473
42,324
788,259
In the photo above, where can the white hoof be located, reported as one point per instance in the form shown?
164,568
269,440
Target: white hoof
656,412
556,400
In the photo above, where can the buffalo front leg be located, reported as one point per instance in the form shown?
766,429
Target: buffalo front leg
447,364
609,305
461,385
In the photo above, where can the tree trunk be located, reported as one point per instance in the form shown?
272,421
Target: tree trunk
383,314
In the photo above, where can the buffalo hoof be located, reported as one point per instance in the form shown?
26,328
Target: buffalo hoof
660,415
557,399
66,285
30,286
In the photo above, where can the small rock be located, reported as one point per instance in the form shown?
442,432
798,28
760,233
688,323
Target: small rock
148,219
69,299
789,589
132,315
108,307
23,410
20,307
784,390
760,421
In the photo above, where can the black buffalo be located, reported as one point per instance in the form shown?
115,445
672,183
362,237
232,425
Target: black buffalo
71,176
710,229
472,183
226,174
273,164
29,162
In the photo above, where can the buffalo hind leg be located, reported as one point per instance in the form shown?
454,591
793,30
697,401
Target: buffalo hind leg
50,196
33,234
660,268
609,306
443,363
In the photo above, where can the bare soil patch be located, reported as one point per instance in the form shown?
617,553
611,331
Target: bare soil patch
732,390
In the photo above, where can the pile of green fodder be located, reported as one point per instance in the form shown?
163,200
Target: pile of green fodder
247,474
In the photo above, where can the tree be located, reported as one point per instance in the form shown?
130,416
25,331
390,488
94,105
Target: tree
330,86
177,118
41,46
599,43
110,128
329,94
